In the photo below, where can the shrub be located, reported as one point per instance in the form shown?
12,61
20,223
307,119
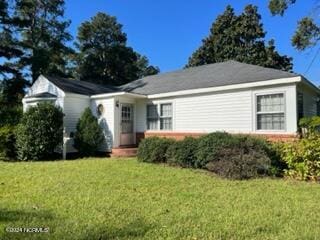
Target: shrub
10,115
40,132
278,165
309,125
209,146
235,164
89,135
183,153
154,149
7,143
245,158
303,158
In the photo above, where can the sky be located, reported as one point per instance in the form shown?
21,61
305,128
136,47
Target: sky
169,31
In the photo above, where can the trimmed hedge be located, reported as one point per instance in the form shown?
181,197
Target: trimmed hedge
154,149
210,145
246,158
230,156
183,153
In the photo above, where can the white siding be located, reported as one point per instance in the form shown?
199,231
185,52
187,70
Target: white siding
42,85
232,111
73,107
310,98
106,120
141,115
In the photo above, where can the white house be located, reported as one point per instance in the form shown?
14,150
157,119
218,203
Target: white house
229,96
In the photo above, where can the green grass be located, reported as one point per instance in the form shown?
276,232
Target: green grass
123,199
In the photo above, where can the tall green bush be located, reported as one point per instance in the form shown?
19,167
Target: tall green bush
40,132
7,143
89,135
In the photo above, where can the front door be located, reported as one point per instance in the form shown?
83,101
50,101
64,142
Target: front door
126,135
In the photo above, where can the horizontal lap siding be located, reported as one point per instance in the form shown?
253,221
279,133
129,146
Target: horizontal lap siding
42,85
106,120
233,112
141,115
309,103
214,112
73,109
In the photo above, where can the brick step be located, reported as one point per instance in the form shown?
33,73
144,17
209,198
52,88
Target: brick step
124,152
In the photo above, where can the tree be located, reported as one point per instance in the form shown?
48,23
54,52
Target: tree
40,132
89,135
12,84
239,38
104,56
8,44
307,33
43,37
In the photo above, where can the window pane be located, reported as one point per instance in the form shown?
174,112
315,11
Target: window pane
273,121
271,103
152,111
152,124
166,123
166,110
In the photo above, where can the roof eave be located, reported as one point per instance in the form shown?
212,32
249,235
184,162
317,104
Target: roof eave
272,82
310,84
107,95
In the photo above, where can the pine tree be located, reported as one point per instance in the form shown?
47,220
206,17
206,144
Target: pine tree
12,84
239,38
104,56
43,37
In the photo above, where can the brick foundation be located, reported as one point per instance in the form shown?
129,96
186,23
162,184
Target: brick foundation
182,135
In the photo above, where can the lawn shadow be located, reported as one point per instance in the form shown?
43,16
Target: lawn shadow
24,219
19,215
133,230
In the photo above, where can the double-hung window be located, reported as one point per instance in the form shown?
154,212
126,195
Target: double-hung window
159,116
152,117
166,116
271,112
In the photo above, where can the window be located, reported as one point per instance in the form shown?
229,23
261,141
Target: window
271,112
152,117
166,116
159,117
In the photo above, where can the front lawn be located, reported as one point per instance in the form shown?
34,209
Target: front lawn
124,199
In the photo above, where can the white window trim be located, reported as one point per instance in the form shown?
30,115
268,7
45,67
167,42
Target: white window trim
158,104
256,95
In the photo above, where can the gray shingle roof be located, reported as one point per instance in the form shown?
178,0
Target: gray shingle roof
80,87
211,75
42,95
